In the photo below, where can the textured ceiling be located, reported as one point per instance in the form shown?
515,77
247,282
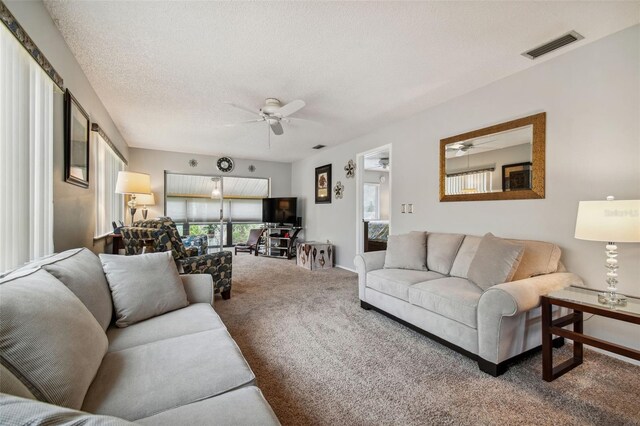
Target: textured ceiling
164,69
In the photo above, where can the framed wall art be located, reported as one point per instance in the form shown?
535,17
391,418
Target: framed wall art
76,142
516,177
323,184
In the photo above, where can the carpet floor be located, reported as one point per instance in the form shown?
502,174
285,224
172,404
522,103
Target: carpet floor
322,360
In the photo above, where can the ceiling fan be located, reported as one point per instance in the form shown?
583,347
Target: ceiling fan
384,163
273,113
462,148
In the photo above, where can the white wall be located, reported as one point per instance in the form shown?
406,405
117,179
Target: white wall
592,99
74,210
156,162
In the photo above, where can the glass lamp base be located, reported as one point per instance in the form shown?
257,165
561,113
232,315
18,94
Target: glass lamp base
612,299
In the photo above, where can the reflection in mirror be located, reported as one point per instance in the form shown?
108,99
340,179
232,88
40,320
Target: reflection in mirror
501,162
475,165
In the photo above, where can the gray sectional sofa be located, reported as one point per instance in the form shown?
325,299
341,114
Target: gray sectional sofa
493,325
62,359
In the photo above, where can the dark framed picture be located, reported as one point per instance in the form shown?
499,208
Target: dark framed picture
323,184
76,142
516,177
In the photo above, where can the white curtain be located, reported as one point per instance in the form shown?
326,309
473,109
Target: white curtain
109,205
26,162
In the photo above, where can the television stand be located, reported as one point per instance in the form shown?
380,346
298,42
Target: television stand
278,241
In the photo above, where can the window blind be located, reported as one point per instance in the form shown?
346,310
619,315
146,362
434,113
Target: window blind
109,205
26,156
466,183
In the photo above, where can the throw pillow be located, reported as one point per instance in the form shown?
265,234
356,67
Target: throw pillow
407,251
143,286
539,258
81,271
495,261
48,339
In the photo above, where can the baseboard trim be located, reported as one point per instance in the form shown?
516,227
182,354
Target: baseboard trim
488,367
347,269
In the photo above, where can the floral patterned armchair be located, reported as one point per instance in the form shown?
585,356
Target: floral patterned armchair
165,237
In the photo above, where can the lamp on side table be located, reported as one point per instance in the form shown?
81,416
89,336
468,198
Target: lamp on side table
133,183
609,221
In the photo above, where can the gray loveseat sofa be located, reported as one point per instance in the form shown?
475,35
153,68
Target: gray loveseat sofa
64,361
492,326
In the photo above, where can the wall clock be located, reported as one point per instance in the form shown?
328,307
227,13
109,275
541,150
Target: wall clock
225,164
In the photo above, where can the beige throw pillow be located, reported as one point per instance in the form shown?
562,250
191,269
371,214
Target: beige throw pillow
495,261
143,286
407,251
48,339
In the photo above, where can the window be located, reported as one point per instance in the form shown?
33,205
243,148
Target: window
371,201
471,182
26,161
189,204
109,205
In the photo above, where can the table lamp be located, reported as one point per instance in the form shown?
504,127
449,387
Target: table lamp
145,200
133,183
609,221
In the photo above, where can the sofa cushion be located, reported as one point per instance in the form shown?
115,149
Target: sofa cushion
245,406
407,251
81,271
48,338
495,262
396,282
539,258
20,411
453,298
467,251
442,250
11,385
192,319
147,379
143,286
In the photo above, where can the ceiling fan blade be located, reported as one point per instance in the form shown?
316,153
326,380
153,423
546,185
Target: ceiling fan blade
276,127
257,120
290,108
241,108
481,143
305,120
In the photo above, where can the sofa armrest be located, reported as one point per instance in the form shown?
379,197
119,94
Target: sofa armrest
512,298
496,331
367,262
199,288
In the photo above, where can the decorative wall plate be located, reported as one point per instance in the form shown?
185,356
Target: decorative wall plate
350,168
339,190
225,164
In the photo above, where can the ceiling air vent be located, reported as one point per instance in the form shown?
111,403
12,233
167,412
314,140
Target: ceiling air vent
319,146
553,45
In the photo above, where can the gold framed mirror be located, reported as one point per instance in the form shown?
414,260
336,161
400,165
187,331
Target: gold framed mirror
501,162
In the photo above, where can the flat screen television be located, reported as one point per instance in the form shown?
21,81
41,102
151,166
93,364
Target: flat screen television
279,210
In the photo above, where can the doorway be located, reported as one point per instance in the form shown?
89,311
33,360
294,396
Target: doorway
373,208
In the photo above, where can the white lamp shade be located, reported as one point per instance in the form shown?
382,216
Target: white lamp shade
146,199
616,221
133,183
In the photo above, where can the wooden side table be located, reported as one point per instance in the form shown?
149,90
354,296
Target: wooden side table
116,243
581,300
